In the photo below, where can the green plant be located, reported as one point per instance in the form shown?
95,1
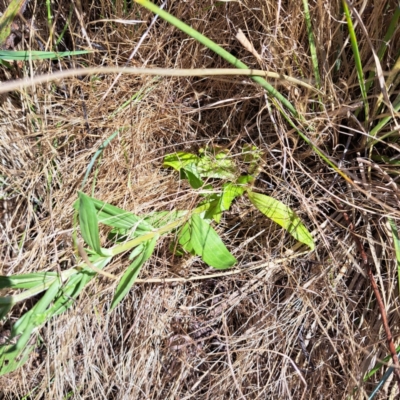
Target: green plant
138,235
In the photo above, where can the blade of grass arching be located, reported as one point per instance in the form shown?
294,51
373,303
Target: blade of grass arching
11,55
357,59
216,49
396,242
311,41
385,42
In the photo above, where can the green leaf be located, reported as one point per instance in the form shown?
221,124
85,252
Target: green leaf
184,238
222,202
88,222
208,245
132,272
283,216
37,55
115,217
191,173
26,281
180,160
218,166
214,165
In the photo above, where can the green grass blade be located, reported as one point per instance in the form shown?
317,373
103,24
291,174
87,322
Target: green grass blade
311,40
357,58
208,245
132,272
283,216
11,55
217,49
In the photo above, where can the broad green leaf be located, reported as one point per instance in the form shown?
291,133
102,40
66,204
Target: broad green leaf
88,222
191,173
208,245
26,281
12,55
283,216
132,272
223,201
180,160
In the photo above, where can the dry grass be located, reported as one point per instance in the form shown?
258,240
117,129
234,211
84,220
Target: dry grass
239,336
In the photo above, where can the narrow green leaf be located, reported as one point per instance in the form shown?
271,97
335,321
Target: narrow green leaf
88,222
37,55
26,281
208,245
132,272
357,58
116,217
283,216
